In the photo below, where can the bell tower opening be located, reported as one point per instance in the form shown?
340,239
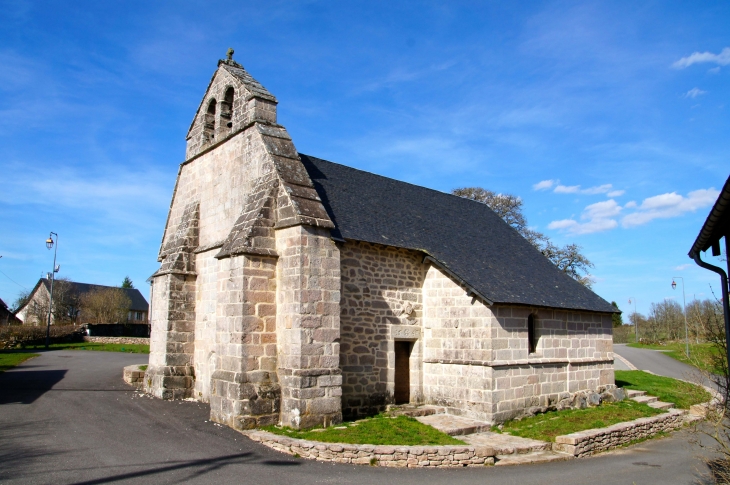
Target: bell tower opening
209,123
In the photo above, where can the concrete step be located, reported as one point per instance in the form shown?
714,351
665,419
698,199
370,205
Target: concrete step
539,457
454,425
661,405
632,393
645,399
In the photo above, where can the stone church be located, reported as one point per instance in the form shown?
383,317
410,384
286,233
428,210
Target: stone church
299,291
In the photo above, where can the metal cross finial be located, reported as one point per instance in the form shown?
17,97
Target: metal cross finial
229,54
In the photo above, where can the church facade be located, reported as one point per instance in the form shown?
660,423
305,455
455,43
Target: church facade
298,291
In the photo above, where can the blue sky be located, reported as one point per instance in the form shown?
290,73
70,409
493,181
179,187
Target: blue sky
609,119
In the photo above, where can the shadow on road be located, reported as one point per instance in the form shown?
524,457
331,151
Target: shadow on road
197,467
28,385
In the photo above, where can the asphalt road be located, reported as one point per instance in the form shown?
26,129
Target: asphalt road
655,361
67,417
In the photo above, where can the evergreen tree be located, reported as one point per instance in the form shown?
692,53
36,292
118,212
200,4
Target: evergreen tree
127,283
617,317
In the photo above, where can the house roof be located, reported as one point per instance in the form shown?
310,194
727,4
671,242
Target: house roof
717,224
139,303
465,237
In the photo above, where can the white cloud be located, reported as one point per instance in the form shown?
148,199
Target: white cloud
599,189
682,267
669,205
616,193
694,92
574,227
630,205
544,185
601,210
723,59
598,217
563,189
575,189
714,70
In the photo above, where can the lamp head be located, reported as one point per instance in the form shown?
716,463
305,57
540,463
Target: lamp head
674,284
49,242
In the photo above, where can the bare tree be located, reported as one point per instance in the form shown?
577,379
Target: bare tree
21,300
105,305
668,318
568,258
718,412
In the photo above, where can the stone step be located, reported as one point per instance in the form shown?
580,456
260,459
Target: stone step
539,457
506,444
415,411
633,393
661,405
645,399
454,425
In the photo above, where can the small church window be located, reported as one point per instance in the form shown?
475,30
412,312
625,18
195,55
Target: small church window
209,125
532,336
227,111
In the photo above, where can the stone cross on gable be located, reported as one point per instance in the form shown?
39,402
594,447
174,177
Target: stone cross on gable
229,54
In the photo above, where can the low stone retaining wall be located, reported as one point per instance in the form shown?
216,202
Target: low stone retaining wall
134,376
584,443
389,456
118,340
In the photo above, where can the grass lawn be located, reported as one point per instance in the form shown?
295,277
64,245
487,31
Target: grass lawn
9,359
682,394
380,430
700,355
128,348
547,426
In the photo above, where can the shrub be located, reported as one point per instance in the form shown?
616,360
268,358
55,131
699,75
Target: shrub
21,336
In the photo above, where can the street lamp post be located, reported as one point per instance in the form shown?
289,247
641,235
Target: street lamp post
684,311
636,319
49,244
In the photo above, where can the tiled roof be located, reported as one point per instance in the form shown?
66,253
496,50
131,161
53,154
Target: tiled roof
465,237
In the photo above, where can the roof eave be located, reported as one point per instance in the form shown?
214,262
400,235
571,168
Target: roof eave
709,234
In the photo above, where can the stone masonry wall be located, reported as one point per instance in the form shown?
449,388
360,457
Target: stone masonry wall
205,322
477,362
245,390
386,456
221,181
170,373
381,290
591,441
457,345
308,327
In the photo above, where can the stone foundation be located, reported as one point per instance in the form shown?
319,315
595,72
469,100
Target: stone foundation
134,376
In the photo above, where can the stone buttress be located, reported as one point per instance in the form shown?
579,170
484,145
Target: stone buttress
261,324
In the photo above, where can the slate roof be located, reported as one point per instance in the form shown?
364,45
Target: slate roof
255,87
139,303
465,237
